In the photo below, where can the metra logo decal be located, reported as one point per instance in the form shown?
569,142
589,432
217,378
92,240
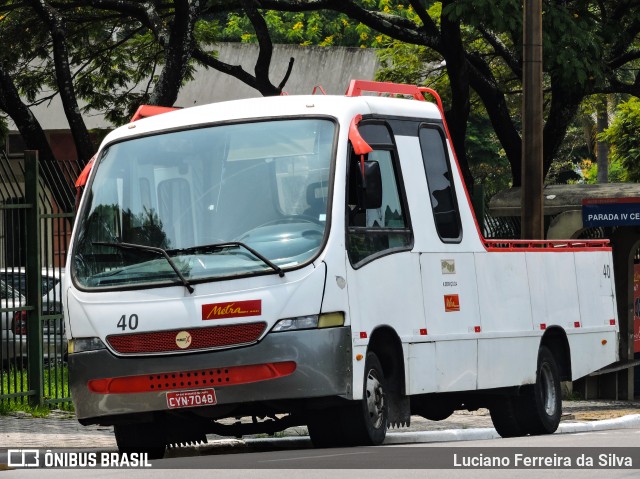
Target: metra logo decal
451,303
236,309
183,339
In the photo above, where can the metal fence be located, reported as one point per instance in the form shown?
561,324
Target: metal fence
36,217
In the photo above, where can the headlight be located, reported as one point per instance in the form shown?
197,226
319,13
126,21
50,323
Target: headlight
326,320
80,345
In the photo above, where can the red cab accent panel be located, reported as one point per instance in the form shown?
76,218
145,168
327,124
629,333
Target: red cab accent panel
145,111
360,147
177,380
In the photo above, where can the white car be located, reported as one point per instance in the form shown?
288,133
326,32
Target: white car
13,350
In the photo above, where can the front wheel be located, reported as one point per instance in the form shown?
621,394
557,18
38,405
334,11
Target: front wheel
365,424
361,423
147,438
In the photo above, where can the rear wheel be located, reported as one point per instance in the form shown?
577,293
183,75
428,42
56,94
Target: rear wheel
538,408
146,438
505,417
541,407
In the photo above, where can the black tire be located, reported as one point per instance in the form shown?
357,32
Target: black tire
146,438
366,422
325,428
505,417
538,408
433,410
362,423
541,406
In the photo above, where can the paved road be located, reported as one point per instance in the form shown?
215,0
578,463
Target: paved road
385,461
62,430
293,451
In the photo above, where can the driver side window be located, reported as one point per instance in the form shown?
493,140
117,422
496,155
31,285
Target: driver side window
373,232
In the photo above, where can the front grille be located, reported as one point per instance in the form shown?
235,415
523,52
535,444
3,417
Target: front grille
201,338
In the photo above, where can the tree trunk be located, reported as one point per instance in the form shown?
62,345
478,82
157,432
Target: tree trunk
81,137
457,69
563,109
178,52
35,139
602,123
493,99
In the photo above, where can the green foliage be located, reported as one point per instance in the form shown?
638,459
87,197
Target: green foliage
487,161
117,72
501,15
574,151
589,171
624,140
406,63
322,28
414,64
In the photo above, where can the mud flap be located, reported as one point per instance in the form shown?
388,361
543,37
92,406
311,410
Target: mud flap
399,409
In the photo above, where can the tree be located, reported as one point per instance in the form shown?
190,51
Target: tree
85,50
107,53
622,136
587,45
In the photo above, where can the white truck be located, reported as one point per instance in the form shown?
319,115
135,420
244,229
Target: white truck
314,260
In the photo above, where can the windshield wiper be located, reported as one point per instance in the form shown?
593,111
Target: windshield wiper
208,248
151,249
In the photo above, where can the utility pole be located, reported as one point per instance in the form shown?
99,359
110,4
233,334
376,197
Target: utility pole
532,205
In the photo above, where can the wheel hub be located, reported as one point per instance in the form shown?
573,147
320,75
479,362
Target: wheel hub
548,390
375,400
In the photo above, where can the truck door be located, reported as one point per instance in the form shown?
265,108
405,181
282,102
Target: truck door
383,274
447,266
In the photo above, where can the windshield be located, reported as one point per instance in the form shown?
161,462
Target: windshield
258,189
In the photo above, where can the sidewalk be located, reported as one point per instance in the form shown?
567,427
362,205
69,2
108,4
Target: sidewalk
61,429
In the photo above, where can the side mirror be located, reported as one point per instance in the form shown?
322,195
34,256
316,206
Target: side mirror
368,192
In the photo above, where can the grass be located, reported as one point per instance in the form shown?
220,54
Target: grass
14,381
17,405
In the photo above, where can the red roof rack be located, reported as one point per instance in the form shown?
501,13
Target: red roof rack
318,87
145,111
356,87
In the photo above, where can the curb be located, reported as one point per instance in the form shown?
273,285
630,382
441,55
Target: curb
450,435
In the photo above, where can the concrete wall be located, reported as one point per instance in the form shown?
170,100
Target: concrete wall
330,67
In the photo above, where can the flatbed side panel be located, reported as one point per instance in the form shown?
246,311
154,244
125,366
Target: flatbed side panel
594,273
422,360
554,291
503,292
456,365
504,362
592,351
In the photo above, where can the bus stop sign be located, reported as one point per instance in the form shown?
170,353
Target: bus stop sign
610,212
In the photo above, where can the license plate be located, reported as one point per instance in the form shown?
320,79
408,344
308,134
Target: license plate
199,397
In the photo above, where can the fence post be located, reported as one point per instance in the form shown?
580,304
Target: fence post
34,284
